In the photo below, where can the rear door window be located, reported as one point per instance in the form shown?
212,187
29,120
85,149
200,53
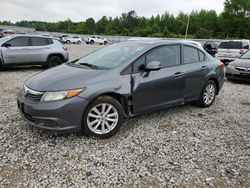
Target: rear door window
191,55
231,45
39,41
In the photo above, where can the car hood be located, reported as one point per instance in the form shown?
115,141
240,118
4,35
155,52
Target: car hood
65,77
241,62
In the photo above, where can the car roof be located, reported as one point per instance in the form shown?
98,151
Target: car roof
28,35
164,41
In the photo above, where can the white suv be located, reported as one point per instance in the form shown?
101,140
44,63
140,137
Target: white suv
72,39
96,39
230,50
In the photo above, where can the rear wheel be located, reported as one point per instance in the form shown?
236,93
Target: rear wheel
105,42
103,117
68,42
208,94
78,42
53,61
92,42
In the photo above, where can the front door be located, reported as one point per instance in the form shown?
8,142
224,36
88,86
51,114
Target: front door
18,51
158,89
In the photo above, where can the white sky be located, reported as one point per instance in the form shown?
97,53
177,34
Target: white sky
79,10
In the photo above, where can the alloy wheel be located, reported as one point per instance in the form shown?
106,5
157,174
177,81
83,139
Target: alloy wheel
102,118
209,94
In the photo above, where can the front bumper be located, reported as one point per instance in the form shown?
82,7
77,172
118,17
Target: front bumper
237,75
66,57
59,116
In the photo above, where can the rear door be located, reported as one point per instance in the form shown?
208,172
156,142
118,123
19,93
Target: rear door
196,68
18,51
41,48
158,89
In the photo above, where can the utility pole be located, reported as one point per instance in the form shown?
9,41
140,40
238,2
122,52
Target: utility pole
187,26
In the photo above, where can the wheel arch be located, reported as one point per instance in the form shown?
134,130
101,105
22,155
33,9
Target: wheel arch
215,80
56,54
123,100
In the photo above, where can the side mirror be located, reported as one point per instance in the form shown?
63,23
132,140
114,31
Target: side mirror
6,45
153,66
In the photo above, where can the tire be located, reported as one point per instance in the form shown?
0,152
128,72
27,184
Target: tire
78,42
53,61
68,42
208,94
87,42
105,42
230,79
95,112
92,42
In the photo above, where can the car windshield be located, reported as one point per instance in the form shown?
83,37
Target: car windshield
231,45
246,55
112,56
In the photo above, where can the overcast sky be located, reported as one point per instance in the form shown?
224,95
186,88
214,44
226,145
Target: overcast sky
79,10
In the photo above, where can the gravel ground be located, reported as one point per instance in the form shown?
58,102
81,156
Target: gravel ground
181,147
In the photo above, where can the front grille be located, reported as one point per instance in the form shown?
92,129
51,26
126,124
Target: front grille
239,76
245,69
33,97
32,94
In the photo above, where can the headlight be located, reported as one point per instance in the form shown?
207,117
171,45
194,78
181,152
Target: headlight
230,66
58,95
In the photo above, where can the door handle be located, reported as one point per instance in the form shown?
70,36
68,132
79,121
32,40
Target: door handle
179,74
203,67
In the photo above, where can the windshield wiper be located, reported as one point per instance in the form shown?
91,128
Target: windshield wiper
91,66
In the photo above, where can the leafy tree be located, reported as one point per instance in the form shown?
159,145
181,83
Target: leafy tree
90,25
235,19
234,22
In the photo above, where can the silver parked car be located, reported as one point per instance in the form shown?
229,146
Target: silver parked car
32,50
230,50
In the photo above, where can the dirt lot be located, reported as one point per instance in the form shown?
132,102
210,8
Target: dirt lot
184,146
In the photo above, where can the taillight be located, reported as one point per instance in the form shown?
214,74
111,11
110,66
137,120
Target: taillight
222,65
66,49
242,51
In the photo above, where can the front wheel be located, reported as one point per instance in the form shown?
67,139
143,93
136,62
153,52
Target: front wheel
105,42
208,94
103,117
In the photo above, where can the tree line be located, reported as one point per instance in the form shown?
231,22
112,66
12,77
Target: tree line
233,22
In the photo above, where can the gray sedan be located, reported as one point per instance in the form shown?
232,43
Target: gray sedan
95,93
239,69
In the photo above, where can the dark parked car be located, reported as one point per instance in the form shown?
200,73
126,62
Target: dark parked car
95,93
239,69
211,48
